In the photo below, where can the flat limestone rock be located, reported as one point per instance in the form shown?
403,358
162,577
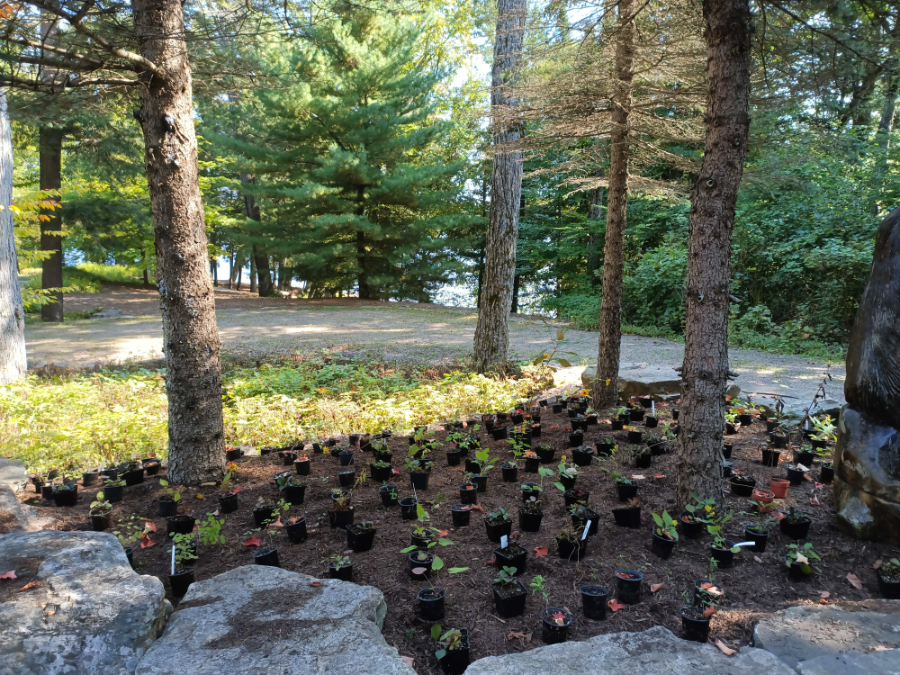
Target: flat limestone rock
654,652
90,613
13,473
15,516
259,620
640,379
873,663
802,634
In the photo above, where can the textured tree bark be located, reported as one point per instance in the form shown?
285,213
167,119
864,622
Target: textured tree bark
883,139
253,283
365,291
705,370
12,315
492,332
262,276
595,215
50,149
187,300
606,385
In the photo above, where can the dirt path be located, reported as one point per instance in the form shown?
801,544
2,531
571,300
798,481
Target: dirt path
255,326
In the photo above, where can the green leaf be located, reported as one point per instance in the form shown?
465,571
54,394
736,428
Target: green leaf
176,497
560,334
437,565
443,541
436,631
564,363
560,486
538,360
440,653
408,549
458,570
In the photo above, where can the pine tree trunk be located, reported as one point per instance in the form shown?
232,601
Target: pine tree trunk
883,139
144,265
231,270
12,315
50,148
514,307
492,332
187,300
606,385
595,215
705,370
261,277
253,287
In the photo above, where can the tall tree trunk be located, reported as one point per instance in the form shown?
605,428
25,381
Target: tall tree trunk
492,332
595,216
187,300
50,148
240,274
231,269
606,385
514,306
705,370
12,315
263,275
144,266
253,284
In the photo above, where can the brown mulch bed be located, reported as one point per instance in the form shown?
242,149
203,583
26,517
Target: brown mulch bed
756,586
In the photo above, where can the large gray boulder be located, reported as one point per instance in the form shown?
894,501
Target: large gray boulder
13,473
89,613
654,652
814,636
873,663
258,620
640,379
15,516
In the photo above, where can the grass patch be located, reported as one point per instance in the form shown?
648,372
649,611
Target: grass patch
83,420
87,277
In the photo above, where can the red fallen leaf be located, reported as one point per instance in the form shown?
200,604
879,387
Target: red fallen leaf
824,594
396,472
8,575
315,584
656,587
615,605
559,619
277,522
540,551
477,507
823,601
146,541
30,585
149,526
725,649
709,611
854,581
814,501
779,515
492,561
253,541
660,476
410,660
711,588
199,496
819,486
554,427
443,533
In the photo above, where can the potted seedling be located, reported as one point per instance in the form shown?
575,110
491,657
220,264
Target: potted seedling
340,567
696,615
532,461
509,593
606,448
757,530
665,535
593,601
130,532
825,431
209,531
168,500
295,528
722,550
430,599
571,543
576,496
566,476
113,489
302,465
510,472
622,417
228,494
888,574
530,515
797,559
65,493
486,464
90,477
628,586
794,524
342,511
498,524
695,516
183,557
625,487
796,473
805,455
741,483
582,515
267,552
511,555
101,511
292,488
826,467
461,514
453,649
361,536
425,537
388,493
132,472
420,563
629,515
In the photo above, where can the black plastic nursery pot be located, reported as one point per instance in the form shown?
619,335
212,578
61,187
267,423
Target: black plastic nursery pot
509,599
567,480
727,469
167,507
480,482
532,464
727,449
605,449
576,439
180,524
691,529
419,559
462,515
629,516
281,475
114,493
644,460
617,425
636,415
658,448
545,453
795,475
344,573
798,529
180,582
431,604
134,477
530,522
817,444
388,495
47,493
675,413
360,538
552,632
770,457
101,521
582,456
571,550
651,422
347,478
635,436
723,556
694,626
500,433
731,428
345,458
294,494
468,493
663,546
473,466
497,530
456,661
779,439
798,571
454,457
267,556
558,408
129,554
746,419
804,457
379,473
419,479
530,490
888,587
296,532
535,430
579,424
581,519
626,491
338,519
517,418
593,601
262,514
742,486
628,586
422,541
301,466
512,556
89,478
575,495
826,474
232,455
759,539
65,497
510,473
288,458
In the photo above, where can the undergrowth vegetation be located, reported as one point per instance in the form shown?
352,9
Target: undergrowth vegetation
84,420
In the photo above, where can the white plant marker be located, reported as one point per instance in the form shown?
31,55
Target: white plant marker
586,528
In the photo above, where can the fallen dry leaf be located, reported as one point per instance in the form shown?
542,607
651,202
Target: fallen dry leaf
315,584
30,585
824,594
477,507
492,561
656,587
410,660
660,476
823,601
396,472
615,605
638,477
877,564
146,541
779,515
725,649
757,558
882,648
8,575
277,522
519,635
814,501
819,486
253,541
149,526
709,611
199,496
554,428
540,551
854,581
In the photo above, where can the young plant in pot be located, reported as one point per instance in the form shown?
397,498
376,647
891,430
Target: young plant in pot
209,531
581,515
509,594
555,621
567,474
388,492
643,458
606,448
530,515
571,543
424,536
758,529
731,423
452,649
498,524
295,529
486,463
695,516
532,461
593,601
228,494
430,600
113,489
340,567
665,534
805,455
888,574
741,483
183,557
575,496
130,532
468,491
797,558
697,612
722,549
629,515
361,536
101,513
266,552
342,511
168,499
825,432
826,467
625,487
795,524
796,473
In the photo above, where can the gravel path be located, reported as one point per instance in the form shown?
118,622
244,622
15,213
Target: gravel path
406,332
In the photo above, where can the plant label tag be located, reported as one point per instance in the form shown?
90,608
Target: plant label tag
584,534
504,541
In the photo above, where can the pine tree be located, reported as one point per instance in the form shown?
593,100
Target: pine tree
345,172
